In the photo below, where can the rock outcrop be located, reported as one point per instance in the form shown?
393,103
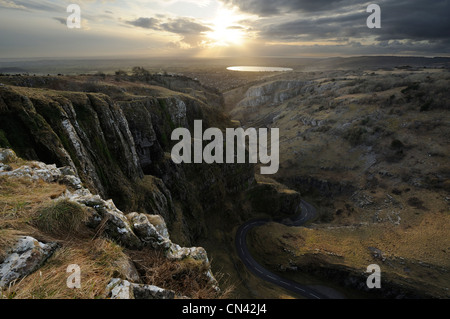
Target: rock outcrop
25,257
48,173
272,93
123,289
113,141
87,132
7,156
133,231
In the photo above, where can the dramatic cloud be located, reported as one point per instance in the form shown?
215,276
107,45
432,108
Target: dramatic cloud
319,28
226,27
344,21
416,20
277,7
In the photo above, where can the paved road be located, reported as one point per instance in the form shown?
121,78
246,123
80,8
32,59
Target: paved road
308,212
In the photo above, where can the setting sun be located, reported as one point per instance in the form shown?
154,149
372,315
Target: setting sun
226,30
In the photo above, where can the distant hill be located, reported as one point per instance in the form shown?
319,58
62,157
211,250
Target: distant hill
187,65
379,62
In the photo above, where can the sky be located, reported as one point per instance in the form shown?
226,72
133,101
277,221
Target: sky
223,28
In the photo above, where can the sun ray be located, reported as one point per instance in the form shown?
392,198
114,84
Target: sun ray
226,31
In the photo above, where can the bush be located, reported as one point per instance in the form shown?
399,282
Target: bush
416,203
121,73
425,107
60,217
355,136
411,87
396,144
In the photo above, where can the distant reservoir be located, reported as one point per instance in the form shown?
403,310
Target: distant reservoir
258,69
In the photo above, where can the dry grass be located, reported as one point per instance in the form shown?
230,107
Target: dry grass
384,135
19,199
186,277
28,208
421,248
60,217
96,260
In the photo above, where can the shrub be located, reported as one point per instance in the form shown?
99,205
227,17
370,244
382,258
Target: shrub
425,107
396,144
355,136
411,87
416,203
60,217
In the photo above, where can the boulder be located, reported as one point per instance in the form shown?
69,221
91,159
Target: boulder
5,168
115,225
128,269
119,289
26,257
7,156
40,171
123,289
149,235
147,232
160,225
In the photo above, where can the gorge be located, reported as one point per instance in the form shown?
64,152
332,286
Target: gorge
114,137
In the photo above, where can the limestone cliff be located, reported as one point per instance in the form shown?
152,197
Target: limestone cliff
115,136
133,231
274,93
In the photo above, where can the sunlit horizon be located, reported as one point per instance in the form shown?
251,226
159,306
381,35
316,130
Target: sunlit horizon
218,28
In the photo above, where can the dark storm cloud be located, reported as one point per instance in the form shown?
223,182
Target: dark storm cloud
354,48
416,20
308,29
294,20
275,7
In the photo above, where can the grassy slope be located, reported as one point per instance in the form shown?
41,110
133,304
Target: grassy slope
406,184
416,255
22,205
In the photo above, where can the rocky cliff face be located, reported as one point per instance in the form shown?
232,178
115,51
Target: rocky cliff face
115,136
133,231
109,142
87,132
369,149
272,93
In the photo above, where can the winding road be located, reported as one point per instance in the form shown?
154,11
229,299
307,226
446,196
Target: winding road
308,212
